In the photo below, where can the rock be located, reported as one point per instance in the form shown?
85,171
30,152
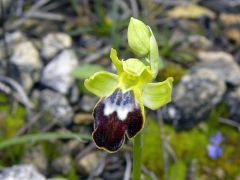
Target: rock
26,60
222,5
114,167
222,63
62,165
88,163
5,4
57,105
193,98
54,43
233,104
57,73
36,157
23,172
26,56
237,57
87,103
231,30
190,11
74,94
177,36
83,118
73,146
12,39
197,42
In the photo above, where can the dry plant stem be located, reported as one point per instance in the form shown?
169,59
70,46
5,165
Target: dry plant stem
29,124
21,95
127,174
99,168
229,122
149,173
164,143
137,154
134,7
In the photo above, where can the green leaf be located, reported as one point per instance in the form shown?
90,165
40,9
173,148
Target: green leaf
102,83
158,94
86,70
43,136
154,55
178,171
138,37
117,63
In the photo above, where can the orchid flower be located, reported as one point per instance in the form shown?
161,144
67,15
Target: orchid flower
120,110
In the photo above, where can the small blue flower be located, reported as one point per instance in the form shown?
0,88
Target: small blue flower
214,149
216,139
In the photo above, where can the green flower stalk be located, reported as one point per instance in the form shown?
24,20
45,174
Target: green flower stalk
120,110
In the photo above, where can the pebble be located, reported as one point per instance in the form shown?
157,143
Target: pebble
57,74
233,104
53,43
27,62
193,98
36,157
88,163
21,172
222,63
57,105
87,103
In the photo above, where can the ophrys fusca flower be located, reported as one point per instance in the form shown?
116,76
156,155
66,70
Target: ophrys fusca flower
120,110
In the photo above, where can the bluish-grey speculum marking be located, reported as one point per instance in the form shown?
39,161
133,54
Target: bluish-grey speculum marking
119,102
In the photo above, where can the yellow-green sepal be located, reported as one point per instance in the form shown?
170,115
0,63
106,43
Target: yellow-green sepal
117,63
138,37
154,55
101,83
158,94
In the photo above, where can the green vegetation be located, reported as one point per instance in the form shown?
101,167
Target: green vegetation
191,145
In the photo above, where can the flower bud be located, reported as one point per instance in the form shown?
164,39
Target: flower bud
139,37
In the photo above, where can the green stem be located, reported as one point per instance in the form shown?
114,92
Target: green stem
137,151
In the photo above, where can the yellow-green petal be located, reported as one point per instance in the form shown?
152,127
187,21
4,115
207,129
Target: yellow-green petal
158,94
117,63
154,55
101,83
133,66
138,37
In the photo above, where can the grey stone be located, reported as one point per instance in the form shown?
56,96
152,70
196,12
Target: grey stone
222,63
36,157
222,5
233,104
87,103
58,73
88,163
73,146
12,40
197,42
57,105
53,43
21,172
26,59
5,4
193,98
26,56
62,164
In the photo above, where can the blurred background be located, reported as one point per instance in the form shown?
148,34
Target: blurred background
48,48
